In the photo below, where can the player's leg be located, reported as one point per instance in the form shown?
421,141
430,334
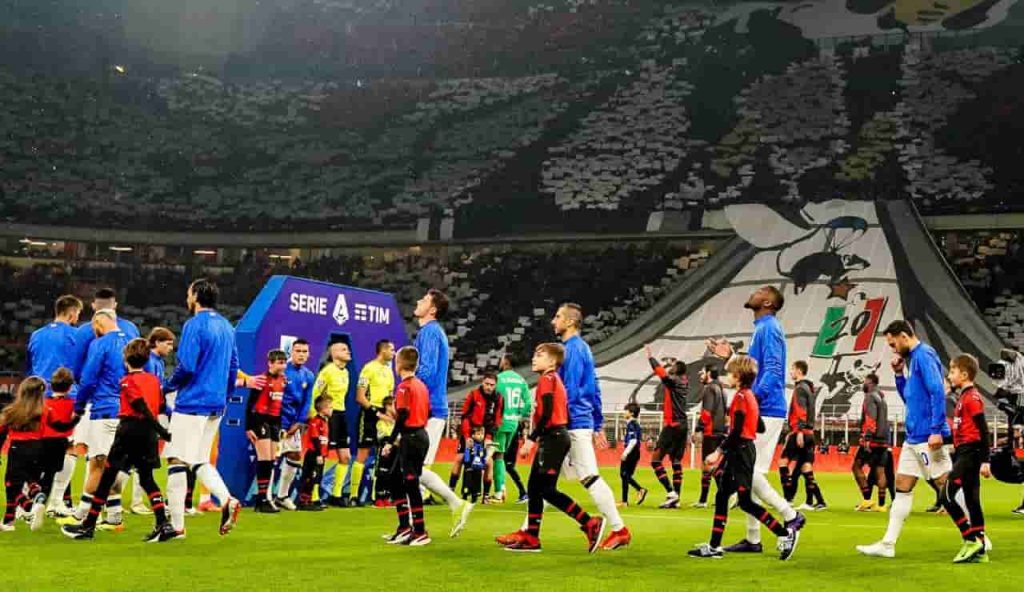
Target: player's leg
291,464
911,468
138,505
19,469
110,474
881,477
764,447
583,460
676,455
308,480
62,481
430,479
501,441
264,473
511,454
367,438
857,468
657,456
418,444
456,470
208,475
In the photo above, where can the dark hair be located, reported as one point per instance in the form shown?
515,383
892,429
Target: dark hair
407,359
104,294
159,334
967,363
381,345
712,372
136,353
62,380
66,303
801,366
555,350
205,292
324,398
300,341
633,408
778,300
440,302
276,355
745,369
578,310
388,400
899,326
507,360
24,413
678,368
872,377
489,373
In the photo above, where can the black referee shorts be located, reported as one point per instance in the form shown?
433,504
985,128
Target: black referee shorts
337,428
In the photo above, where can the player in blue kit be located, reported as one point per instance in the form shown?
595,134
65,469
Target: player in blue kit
295,414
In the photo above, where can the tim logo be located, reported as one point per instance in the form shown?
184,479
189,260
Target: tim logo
340,313
369,313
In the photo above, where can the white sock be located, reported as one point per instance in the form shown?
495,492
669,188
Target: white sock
61,480
114,510
209,476
959,499
84,504
604,499
177,485
136,490
431,481
288,470
898,512
764,490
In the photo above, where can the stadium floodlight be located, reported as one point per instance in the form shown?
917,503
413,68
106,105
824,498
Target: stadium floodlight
121,249
204,252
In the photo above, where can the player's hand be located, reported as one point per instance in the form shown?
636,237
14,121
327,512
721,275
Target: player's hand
986,470
600,441
384,451
800,439
935,441
164,435
713,459
291,431
719,347
697,438
897,364
526,449
251,435
647,351
255,382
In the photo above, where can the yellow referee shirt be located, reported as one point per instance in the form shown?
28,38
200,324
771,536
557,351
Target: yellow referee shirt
333,381
378,380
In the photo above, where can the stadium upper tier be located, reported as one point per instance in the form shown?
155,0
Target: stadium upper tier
584,114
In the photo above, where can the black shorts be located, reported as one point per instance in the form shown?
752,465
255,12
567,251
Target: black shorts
628,466
136,445
967,466
412,451
266,427
367,429
337,430
672,441
738,471
551,453
472,483
879,456
51,455
23,461
710,444
797,454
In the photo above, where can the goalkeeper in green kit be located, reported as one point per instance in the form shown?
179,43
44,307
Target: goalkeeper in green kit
518,403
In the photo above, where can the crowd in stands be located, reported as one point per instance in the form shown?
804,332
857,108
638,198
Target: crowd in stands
691,113
502,298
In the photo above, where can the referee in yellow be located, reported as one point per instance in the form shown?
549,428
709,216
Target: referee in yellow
376,381
333,380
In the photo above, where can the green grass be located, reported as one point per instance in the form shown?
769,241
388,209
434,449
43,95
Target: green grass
342,550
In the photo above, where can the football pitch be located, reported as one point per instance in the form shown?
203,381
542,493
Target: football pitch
341,549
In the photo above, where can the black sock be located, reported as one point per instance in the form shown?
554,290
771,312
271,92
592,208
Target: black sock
705,486
453,480
659,472
677,477
190,479
784,479
510,470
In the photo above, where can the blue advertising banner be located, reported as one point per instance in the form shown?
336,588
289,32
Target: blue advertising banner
290,308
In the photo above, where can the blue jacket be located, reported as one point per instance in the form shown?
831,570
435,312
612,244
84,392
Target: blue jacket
156,367
207,365
924,395
84,336
768,348
298,395
432,344
581,387
633,434
475,457
49,348
100,383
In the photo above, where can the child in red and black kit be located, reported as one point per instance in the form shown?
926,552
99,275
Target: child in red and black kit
314,448
263,426
136,445
412,404
58,423
734,460
551,436
21,421
970,436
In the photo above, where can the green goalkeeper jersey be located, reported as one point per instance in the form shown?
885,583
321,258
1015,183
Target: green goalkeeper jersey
518,400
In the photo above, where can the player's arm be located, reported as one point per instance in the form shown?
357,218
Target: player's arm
806,406
233,367
735,435
307,404
771,370
548,402
659,370
62,426
188,359
429,347
466,427
931,376
631,440
402,415
976,409
870,424
498,413
90,377
707,404
138,404
595,402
